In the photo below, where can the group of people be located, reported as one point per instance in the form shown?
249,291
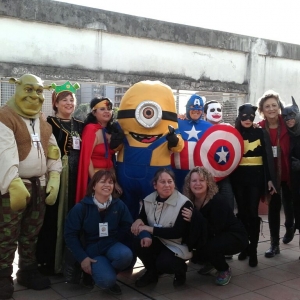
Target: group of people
185,214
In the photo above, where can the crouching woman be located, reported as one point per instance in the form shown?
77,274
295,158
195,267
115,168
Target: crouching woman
102,218
214,229
161,228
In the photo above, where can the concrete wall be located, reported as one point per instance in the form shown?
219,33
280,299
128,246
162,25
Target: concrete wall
59,41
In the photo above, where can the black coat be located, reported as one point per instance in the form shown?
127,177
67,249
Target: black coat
215,218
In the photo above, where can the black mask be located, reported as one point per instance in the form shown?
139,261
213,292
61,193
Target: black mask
247,112
290,111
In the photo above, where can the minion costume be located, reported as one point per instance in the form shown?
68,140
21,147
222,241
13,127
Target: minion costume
30,167
191,130
146,111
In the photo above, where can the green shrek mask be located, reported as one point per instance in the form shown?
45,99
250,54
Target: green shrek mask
28,98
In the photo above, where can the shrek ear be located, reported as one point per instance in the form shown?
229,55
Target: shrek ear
13,80
48,87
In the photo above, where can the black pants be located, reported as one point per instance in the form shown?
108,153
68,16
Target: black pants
296,197
274,211
247,200
159,258
217,247
225,189
287,202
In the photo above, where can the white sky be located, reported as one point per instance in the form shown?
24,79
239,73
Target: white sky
270,19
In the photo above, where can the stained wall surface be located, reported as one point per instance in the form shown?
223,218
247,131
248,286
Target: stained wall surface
60,41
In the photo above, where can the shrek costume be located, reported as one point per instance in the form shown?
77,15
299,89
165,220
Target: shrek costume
30,169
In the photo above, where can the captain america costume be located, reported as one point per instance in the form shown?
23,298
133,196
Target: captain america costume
191,130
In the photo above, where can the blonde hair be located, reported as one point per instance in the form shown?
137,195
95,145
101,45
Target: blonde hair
267,95
211,184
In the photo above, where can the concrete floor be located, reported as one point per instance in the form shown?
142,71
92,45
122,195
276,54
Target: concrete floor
273,278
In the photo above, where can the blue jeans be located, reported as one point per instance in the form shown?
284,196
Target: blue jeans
104,271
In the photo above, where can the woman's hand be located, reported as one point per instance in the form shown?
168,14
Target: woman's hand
118,189
187,214
145,228
146,242
86,265
271,188
135,226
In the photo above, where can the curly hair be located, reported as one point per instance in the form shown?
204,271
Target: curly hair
267,95
212,187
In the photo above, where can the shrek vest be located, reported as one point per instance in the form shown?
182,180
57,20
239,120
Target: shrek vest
23,139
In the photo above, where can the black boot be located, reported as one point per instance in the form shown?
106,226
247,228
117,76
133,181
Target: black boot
180,275
243,255
289,235
30,277
146,279
6,283
274,249
87,280
253,237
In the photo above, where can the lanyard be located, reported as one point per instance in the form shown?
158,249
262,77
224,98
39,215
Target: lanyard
157,221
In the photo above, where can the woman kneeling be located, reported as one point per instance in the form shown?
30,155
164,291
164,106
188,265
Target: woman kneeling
101,218
214,231
161,227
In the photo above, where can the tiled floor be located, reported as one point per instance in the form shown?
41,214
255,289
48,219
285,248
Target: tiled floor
273,278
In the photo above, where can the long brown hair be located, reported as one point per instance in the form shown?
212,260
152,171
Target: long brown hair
212,187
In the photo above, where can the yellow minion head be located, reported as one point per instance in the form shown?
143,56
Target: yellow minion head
145,112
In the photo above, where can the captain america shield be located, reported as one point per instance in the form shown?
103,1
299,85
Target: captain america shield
219,150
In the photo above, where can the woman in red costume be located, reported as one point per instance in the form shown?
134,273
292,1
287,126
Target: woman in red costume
95,153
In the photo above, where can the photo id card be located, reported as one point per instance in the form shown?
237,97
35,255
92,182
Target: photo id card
157,225
76,143
35,139
103,229
274,149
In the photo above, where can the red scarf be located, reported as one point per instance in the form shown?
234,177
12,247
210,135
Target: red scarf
283,162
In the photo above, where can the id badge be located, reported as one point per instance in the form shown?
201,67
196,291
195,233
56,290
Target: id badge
157,225
35,139
103,229
274,149
76,142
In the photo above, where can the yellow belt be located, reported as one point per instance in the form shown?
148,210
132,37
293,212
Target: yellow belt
251,161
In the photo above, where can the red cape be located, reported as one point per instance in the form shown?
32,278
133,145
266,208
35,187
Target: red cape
88,138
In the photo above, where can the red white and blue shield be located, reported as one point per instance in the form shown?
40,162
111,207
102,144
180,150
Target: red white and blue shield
219,150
